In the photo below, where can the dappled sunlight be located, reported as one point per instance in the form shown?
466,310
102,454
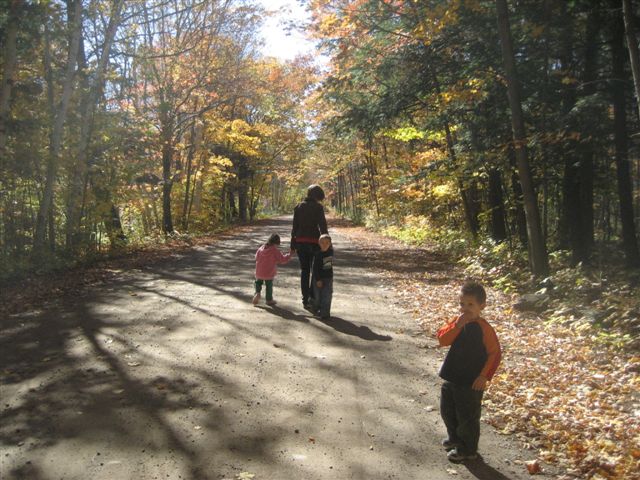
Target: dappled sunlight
173,362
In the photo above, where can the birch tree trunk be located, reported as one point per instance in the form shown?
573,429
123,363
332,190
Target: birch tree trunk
74,8
88,104
10,57
632,45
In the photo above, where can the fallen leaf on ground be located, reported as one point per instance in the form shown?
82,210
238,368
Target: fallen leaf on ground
533,467
245,476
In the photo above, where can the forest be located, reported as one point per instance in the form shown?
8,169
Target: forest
512,128
503,134
121,122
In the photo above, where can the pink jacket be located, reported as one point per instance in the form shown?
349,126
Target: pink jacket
267,259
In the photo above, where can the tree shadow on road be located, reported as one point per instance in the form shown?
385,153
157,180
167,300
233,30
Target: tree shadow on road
482,471
344,326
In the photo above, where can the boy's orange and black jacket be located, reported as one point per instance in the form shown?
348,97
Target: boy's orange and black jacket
474,351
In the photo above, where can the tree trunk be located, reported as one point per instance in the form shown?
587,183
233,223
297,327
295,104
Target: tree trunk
537,249
243,176
167,161
195,193
496,206
621,142
586,147
371,170
87,114
74,8
519,215
632,45
571,216
10,57
187,187
111,217
231,198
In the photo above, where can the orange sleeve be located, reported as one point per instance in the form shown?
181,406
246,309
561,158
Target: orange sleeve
448,333
492,346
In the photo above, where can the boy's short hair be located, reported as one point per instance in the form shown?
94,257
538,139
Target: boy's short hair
323,236
471,287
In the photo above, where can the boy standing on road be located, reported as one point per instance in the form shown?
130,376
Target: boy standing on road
322,277
470,363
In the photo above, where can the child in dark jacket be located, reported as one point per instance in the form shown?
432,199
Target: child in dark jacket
470,363
268,257
323,277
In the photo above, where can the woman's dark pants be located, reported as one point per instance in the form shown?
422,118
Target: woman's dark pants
305,255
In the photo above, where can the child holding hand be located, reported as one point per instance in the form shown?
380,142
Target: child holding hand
268,257
322,277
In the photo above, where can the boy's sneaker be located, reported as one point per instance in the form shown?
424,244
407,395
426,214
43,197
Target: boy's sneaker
271,302
457,456
309,307
449,444
256,298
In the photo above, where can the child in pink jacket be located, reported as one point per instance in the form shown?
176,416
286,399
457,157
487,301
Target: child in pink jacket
268,257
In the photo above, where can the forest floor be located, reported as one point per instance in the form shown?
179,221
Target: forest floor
156,365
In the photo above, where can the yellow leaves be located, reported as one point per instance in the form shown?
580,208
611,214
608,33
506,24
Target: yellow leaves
404,134
219,161
442,191
413,192
329,22
464,92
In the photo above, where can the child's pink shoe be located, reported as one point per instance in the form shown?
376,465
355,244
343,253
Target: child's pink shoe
271,302
256,298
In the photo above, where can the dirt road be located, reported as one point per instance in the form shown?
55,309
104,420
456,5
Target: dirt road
169,372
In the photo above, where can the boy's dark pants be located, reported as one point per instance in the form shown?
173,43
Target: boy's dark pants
305,255
460,409
322,297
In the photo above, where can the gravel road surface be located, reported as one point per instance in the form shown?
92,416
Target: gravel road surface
169,372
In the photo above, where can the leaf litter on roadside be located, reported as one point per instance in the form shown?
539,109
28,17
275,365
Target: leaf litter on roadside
573,400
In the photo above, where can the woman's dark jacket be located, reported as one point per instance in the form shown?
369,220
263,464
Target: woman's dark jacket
309,222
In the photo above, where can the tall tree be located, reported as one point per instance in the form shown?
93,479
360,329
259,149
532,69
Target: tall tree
632,46
91,94
537,249
74,22
189,52
9,69
621,138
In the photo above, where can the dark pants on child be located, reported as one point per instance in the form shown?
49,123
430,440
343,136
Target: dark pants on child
305,255
268,284
460,409
322,297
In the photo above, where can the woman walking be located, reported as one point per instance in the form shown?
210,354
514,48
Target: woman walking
309,223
